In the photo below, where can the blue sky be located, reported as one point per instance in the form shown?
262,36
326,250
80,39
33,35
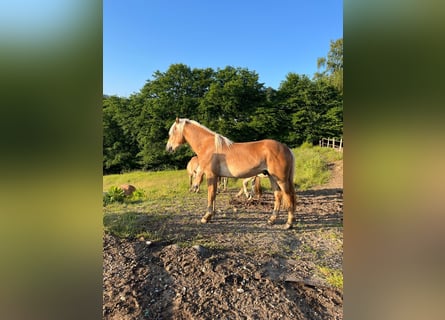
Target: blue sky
271,38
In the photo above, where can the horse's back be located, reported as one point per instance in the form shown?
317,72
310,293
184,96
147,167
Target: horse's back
265,146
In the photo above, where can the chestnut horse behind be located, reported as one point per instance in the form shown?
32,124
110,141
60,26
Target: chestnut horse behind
220,157
195,177
192,170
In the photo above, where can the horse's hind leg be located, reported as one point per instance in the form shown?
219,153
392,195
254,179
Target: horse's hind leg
278,195
289,201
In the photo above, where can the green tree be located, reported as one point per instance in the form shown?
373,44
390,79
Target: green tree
233,97
174,93
296,100
330,100
119,146
333,65
306,103
333,122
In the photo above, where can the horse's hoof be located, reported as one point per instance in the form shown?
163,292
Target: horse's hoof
288,226
204,220
270,222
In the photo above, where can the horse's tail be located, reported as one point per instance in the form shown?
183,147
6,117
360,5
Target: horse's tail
292,168
291,180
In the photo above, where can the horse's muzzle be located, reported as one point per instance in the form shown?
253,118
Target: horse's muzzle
169,148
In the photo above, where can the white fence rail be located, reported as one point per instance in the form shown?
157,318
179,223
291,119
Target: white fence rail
332,143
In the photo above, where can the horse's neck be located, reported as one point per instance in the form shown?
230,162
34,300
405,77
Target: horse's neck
198,138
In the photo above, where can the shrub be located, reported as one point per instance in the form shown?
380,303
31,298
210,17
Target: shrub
137,195
306,145
116,194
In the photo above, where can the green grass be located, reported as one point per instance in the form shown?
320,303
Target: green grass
333,277
155,184
311,165
134,224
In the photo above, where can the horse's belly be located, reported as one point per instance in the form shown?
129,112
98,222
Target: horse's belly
237,172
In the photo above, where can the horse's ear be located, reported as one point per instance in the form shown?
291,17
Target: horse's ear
177,120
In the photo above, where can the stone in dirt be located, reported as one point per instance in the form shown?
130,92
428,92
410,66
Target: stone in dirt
128,189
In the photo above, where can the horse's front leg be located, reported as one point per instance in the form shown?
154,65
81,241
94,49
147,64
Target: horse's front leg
212,183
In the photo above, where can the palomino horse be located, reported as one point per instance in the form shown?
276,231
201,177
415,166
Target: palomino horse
192,170
220,157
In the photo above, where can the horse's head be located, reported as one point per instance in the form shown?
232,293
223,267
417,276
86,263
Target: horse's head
176,137
197,179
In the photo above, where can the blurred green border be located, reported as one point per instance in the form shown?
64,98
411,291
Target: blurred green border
50,163
394,173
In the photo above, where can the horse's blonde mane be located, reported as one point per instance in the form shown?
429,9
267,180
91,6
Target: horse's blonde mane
220,140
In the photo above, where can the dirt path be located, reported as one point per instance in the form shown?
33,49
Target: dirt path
336,180
236,267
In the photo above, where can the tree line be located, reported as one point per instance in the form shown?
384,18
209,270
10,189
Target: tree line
230,101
